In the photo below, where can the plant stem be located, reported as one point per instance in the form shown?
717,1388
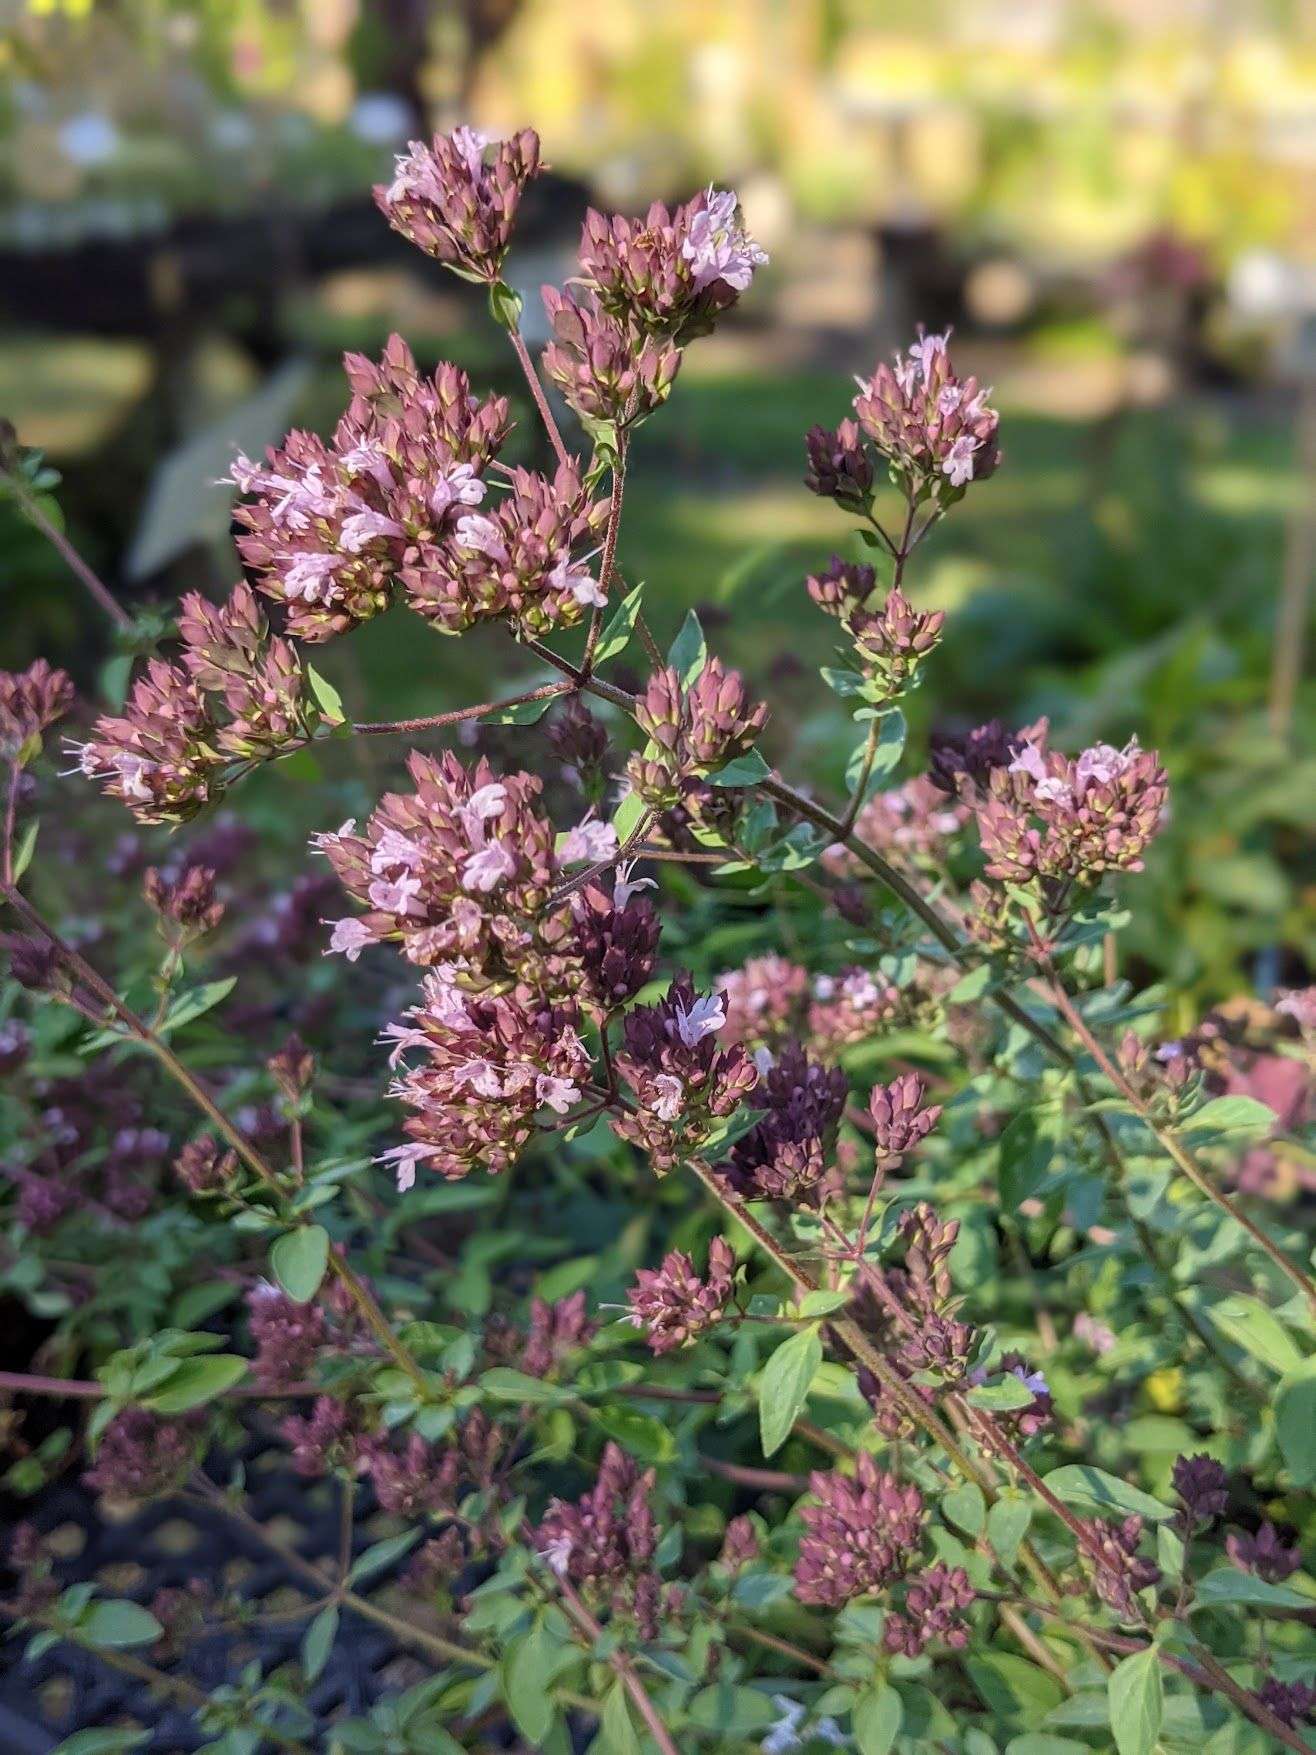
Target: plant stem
86,1389
622,1667
609,554
537,391
95,585
430,722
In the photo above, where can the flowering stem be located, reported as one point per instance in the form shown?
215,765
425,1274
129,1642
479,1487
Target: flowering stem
96,586
377,1322
621,1665
537,391
88,1390
384,727
1169,1142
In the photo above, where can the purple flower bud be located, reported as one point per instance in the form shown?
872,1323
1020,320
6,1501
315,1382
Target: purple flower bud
859,1538
204,1166
934,429
31,700
142,1457
1264,1553
673,1305
785,1155
455,203
1203,1486
606,367
901,1118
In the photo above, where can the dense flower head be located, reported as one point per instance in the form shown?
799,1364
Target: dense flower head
842,587
461,867
616,929
258,690
490,1064
914,823
740,1544
185,901
288,1336
1203,1488
860,1537
934,1607
330,526
964,763
892,642
934,429
765,1001
517,561
785,1154
555,1330
322,1440
31,700
901,1117
839,467
674,271
849,1008
693,729
161,756
1118,1571
607,368
673,1304
141,1456
418,1478
204,1166
458,202
682,1080
1070,820
1265,1553
605,1542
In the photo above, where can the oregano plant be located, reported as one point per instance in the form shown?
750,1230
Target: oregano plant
747,1270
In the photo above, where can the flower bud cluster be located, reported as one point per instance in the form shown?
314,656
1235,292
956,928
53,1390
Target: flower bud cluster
860,1537
765,1001
515,562
933,429
674,271
456,202
141,1456
185,902
683,1082
934,1607
914,824
1119,1572
204,1166
1069,821
673,1305
785,1155
607,368
693,731
850,1008
605,1542
890,642
31,701
331,527
236,695
901,1118
288,1336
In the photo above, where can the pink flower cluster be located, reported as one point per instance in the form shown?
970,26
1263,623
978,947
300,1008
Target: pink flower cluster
605,1542
934,1608
683,1082
330,528
673,1305
933,429
31,701
859,1538
236,695
456,202
1070,820
673,272
765,1001
605,365
516,562
914,823
850,1008
890,642
785,1155
693,730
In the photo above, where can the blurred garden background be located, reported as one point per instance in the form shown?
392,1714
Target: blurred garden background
1113,202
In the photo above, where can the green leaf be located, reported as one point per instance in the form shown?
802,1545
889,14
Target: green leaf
616,1732
890,747
1007,1525
529,1667
505,305
117,1622
689,650
971,985
521,713
195,1381
327,697
382,1554
1232,1115
507,1385
1094,1490
1013,1687
821,1303
1227,1584
616,635
628,815
746,770
27,846
318,1640
966,1508
189,1006
875,1718
299,1259
1250,1325
735,1711
1295,1424
784,1386
1003,1397
1136,1703
1027,1147
105,1742
644,1435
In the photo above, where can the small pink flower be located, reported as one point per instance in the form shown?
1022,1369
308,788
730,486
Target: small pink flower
670,1093
487,868
351,937
718,247
556,1094
705,1017
589,842
478,531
